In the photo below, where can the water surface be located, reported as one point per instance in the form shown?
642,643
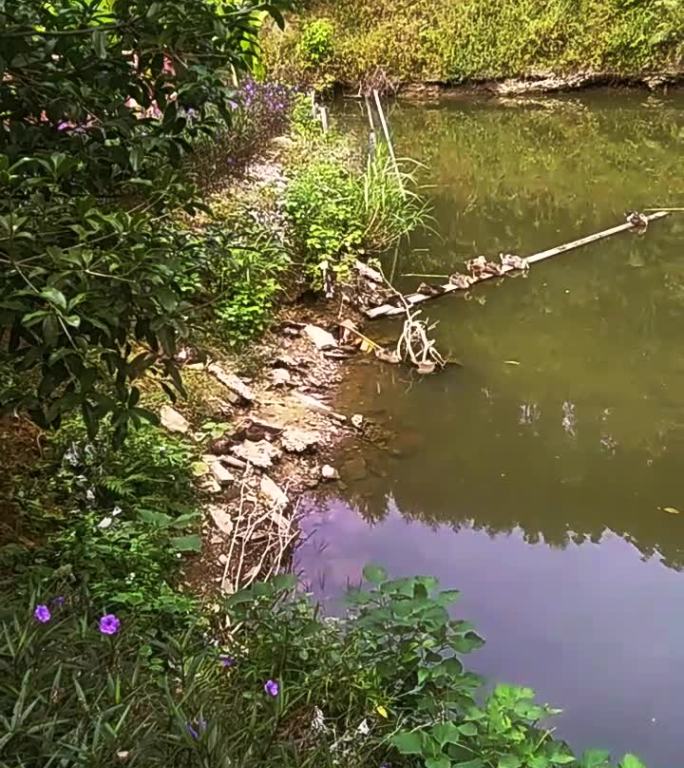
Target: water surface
535,477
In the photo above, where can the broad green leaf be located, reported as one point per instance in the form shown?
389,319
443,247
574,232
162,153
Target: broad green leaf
468,642
595,758
468,729
408,742
375,574
438,762
446,733
631,761
562,758
509,761
55,297
190,543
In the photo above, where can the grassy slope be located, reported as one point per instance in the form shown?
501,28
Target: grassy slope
452,40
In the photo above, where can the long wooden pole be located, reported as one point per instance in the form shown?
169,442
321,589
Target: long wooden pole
388,138
389,310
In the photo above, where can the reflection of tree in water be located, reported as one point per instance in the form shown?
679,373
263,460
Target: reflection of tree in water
571,500
587,434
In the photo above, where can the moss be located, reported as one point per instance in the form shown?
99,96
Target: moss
454,40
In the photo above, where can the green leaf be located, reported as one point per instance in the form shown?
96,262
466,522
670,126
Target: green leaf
595,758
54,297
561,758
375,574
509,761
468,642
190,543
446,733
438,762
100,43
631,761
158,519
408,742
468,729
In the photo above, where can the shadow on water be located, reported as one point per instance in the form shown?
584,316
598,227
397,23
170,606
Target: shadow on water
536,477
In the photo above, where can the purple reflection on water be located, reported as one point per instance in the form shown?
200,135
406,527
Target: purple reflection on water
592,627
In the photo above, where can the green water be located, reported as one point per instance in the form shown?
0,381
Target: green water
535,477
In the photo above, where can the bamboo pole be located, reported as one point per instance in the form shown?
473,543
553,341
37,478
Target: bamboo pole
389,310
388,138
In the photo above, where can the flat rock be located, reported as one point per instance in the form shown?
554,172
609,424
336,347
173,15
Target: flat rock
232,382
260,454
222,520
329,473
296,440
321,338
222,475
281,377
173,421
275,495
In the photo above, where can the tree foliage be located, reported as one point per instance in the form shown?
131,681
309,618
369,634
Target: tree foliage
101,101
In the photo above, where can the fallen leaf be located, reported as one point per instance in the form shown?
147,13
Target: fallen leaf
511,362
382,711
671,510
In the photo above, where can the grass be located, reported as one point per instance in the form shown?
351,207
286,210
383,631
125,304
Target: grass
456,40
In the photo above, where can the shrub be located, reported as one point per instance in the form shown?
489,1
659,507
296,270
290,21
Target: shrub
338,213
287,688
101,102
315,44
118,521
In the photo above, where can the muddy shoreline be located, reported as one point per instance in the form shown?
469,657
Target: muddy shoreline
533,84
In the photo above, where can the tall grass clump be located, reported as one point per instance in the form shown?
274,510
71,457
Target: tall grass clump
340,207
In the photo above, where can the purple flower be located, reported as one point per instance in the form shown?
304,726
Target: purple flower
227,661
201,724
42,614
272,688
57,602
109,624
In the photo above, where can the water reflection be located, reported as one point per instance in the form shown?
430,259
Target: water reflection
535,477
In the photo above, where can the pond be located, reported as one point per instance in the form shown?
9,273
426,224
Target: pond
542,477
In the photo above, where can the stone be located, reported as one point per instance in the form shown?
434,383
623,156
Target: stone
313,404
232,382
260,454
275,495
210,485
320,337
222,475
223,559
357,420
222,520
173,421
281,377
299,440
329,473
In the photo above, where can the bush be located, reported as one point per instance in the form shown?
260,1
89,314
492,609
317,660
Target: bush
101,103
288,688
453,40
117,522
234,276
315,44
338,213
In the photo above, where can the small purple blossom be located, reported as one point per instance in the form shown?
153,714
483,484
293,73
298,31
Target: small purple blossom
57,602
201,727
227,661
109,624
272,688
42,614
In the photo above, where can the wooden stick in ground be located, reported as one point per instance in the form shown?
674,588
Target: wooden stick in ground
388,138
389,310
324,119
